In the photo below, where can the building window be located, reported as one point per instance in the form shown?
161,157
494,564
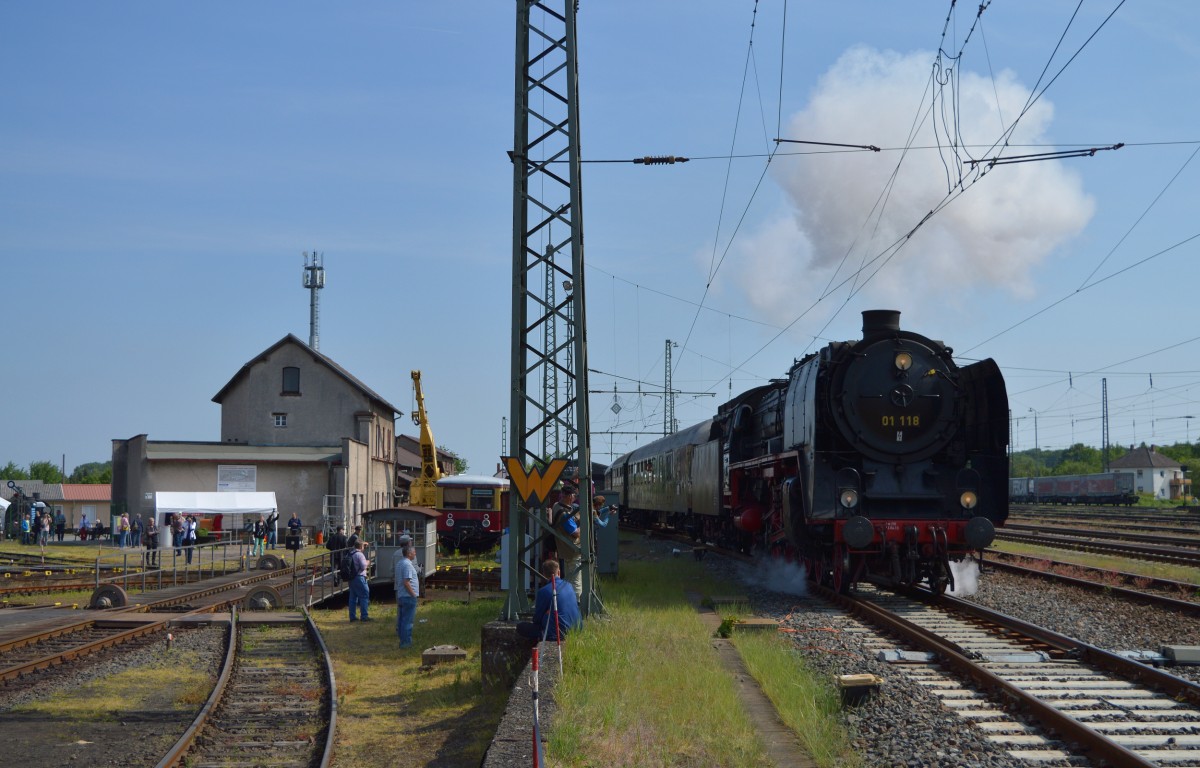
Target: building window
280,419
291,381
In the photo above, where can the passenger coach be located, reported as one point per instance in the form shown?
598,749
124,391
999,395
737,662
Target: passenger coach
474,511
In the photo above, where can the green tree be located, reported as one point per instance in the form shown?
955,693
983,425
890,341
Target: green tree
11,471
460,464
96,472
46,471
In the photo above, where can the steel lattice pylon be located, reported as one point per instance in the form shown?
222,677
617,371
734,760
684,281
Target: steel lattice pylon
548,410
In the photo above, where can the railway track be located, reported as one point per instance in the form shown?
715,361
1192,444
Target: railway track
1077,700
1098,544
26,655
274,704
1175,595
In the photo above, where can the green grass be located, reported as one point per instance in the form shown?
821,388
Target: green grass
642,685
807,705
391,711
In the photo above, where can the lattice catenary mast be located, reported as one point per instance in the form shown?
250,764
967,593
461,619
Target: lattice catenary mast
548,408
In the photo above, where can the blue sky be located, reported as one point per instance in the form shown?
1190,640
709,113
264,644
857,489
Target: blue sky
163,166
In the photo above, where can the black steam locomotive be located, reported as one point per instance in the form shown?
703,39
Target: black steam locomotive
880,458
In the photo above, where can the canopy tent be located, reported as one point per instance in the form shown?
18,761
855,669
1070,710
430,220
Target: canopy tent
3,505
227,509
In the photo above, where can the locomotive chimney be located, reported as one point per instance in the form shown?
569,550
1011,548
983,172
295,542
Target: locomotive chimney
880,322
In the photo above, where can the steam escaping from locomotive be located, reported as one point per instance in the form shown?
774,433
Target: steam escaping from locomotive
835,218
778,576
966,578
878,459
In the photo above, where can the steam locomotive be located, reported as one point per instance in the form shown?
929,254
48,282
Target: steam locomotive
877,458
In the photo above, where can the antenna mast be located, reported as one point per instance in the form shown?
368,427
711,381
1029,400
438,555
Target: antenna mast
314,280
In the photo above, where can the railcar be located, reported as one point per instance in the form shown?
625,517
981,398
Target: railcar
1109,488
474,511
876,458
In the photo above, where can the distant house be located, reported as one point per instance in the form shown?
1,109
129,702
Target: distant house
1153,473
85,499
294,423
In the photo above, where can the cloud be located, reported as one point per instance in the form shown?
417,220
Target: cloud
841,212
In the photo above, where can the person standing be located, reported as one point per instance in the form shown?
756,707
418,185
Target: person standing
151,543
123,530
60,525
136,532
408,586
360,593
337,546
44,531
273,528
25,529
83,529
566,522
355,537
189,537
294,526
177,533
260,536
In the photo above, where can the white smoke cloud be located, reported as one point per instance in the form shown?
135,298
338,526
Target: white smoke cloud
966,577
778,575
991,236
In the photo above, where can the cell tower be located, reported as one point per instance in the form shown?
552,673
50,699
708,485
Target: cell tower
314,280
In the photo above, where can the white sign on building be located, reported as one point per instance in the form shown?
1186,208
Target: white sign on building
234,478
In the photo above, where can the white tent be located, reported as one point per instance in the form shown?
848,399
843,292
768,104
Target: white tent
232,506
3,505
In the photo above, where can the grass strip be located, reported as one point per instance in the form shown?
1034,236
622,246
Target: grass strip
642,685
808,705
391,711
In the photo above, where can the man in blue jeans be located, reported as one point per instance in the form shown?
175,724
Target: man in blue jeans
360,593
407,588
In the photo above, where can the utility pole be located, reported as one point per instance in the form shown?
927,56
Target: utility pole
668,393
547,202
1104,419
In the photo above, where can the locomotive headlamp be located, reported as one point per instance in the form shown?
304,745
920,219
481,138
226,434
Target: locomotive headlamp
968,499
903,361
849,498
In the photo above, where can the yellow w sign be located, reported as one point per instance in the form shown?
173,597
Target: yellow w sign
533,487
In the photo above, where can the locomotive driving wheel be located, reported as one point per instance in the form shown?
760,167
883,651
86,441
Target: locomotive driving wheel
841,570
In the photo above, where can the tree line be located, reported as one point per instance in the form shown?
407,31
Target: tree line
94,473
1082,459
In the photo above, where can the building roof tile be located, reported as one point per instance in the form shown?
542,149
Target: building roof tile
87,492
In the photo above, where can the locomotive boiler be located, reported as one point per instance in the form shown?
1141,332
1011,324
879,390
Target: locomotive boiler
876,458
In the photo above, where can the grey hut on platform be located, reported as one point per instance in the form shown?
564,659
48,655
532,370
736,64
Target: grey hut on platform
385,528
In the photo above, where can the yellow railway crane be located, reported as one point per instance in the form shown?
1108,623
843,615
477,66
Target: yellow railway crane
423,492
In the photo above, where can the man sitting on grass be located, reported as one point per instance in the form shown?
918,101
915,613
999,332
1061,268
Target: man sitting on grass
542,628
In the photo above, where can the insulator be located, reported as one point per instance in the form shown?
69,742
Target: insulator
660,160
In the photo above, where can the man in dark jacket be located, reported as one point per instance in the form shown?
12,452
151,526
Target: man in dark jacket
337,545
